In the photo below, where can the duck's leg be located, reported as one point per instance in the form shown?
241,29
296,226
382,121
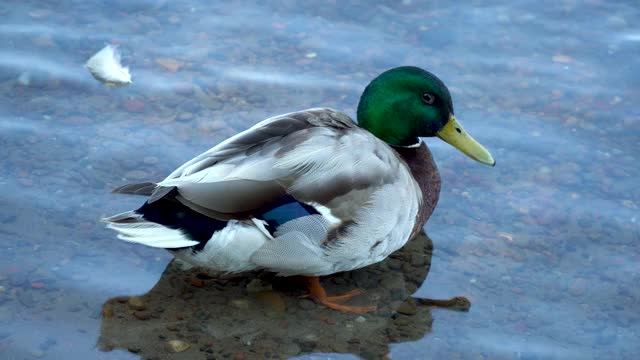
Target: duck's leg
317,293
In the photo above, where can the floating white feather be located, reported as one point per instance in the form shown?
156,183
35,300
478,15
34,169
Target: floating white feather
105,67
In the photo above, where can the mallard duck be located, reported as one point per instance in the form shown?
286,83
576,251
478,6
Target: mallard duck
311,192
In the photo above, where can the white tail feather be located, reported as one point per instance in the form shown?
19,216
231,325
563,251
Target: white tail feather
150,234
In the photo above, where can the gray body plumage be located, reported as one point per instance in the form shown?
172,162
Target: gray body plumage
367,199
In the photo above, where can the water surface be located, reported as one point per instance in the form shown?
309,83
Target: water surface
546,245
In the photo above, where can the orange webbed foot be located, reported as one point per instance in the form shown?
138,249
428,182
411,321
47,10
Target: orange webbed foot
317,293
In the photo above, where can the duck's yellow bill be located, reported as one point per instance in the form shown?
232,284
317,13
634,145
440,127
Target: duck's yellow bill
454,134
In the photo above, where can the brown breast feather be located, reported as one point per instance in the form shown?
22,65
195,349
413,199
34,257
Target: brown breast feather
426,173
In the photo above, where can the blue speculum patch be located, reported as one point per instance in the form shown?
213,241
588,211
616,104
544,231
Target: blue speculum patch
285,209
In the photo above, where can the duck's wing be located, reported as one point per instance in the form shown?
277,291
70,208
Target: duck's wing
313,155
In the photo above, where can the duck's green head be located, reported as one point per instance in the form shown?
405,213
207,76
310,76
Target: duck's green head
405,103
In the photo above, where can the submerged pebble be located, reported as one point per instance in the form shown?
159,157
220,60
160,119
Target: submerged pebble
176,346
134,106
306,304
142,315
240,303
37,353
137,303
578,287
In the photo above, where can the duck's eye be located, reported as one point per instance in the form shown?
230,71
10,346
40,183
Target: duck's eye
428,98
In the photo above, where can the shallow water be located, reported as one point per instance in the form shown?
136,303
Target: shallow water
546,245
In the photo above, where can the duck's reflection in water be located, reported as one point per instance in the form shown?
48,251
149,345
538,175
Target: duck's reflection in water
261,316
